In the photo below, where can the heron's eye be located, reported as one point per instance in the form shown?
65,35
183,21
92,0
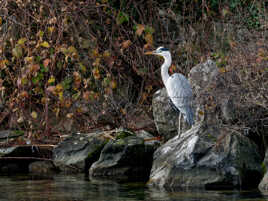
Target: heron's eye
163,49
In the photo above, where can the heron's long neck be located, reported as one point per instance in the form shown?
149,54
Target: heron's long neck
164,69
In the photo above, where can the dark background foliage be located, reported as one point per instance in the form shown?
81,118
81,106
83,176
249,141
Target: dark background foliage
77,65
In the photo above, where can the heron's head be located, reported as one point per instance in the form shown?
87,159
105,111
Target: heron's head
161,51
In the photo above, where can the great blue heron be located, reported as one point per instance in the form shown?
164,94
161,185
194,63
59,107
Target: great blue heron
178,87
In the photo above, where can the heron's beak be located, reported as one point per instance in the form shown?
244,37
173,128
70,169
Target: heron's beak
149,53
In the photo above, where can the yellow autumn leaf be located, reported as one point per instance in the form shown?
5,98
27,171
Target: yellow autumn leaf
3,63
50,30
1,21
59,88
95,53
51,80
106,54
21,41
149,38
140,29
200,112
96,73
34,115
113,84
45,44
123,111
222,70
57,111
60,94
28,59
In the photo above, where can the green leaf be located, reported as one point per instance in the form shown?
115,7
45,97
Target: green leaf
67,82
82,67
40,34
149,30
59,64
51,51
76,95
38,59
38,78
121,18
43,69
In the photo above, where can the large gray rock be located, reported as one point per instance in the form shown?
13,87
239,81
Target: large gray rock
77,152
208,158
213,98
125,158
263,186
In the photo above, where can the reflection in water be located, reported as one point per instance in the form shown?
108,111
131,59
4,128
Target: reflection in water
77,188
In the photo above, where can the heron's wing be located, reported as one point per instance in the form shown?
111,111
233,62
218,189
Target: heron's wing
179,90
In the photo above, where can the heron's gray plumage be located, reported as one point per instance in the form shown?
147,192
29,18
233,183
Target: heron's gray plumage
178,87
180,92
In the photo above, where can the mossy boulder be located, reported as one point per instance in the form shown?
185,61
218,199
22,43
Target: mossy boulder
77,152
128,158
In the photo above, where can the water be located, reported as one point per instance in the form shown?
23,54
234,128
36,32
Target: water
77,188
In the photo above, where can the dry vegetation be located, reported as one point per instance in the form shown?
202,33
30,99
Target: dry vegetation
81,63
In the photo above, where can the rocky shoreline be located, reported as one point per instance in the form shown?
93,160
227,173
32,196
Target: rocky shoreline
210,155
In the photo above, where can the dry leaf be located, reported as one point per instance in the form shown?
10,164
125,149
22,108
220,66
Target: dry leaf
46,62
20,119
51,89
126,44
69,115
24,94
149,38
34,115
113,84
222,70
140,29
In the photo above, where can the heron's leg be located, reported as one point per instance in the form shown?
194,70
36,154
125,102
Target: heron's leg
180,124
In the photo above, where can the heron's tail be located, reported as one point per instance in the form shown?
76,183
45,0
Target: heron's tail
189,116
